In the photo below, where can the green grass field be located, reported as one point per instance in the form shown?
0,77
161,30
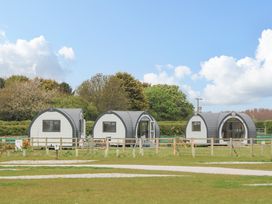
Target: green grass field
191,188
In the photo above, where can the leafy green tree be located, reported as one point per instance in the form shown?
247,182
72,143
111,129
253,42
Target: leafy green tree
22,100
48,84
134,90
14,79
167,102
104,92
91,90
114,96
2,83
65,88
70,101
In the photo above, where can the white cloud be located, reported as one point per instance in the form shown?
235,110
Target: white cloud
31,58
67,52
232,81
181,71
161,78
164,77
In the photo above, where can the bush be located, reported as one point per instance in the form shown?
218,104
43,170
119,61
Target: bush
14,128
172,128
265,124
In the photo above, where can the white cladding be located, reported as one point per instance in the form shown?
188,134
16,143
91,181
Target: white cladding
120,127
66,130
199,136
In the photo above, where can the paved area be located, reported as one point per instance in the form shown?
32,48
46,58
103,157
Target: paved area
85,176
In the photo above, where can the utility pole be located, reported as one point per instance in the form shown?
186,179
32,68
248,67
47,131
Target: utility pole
198,108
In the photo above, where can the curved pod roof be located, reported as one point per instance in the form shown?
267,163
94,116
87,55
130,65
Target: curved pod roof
213,122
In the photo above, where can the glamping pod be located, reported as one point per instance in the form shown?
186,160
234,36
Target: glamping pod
52,124
221,126
125,124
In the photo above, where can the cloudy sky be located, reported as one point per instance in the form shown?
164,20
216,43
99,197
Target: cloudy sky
220,51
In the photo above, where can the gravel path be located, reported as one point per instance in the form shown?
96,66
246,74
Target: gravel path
31,162
234,162
99,175
259,184
193,169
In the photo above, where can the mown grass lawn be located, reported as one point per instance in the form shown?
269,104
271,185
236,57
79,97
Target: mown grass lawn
194,188
191,188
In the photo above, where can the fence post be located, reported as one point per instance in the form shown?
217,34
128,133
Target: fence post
24,152
174,146
212,145
133,152
262,147
141,146
193,148
230,146
60,143
124,144
251,147
46,143
271,148
157,140
107,147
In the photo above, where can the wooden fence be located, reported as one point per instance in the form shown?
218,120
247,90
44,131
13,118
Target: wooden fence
176,146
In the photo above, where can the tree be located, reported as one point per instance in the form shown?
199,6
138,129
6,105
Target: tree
48,84
70,101
113,96
2,83
104,92
91,90
167,102
14,79
22,100
134,90
65,88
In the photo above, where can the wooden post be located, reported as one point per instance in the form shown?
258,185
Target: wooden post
60,143
212,146
271,148
141,147
76,143
193,148
231,146
117,152
157,140
174,146
107,147
262,147
133,152
124,144
24,152
251,147
76,152
46,143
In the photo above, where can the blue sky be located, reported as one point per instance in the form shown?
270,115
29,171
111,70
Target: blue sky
175,42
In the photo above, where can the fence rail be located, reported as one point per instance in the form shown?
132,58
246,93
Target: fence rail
139,146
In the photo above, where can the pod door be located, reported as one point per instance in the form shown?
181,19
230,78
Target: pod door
233,128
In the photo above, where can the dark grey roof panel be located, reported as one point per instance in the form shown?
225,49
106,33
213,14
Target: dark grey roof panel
213,121
75,114
130,119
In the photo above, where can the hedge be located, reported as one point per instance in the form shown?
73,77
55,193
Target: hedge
19,128
14,128
265,124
